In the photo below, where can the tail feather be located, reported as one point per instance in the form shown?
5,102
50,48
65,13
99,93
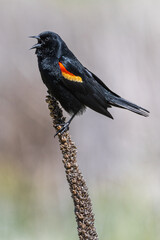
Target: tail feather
122,103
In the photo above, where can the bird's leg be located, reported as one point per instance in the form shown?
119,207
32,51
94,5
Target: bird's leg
65,126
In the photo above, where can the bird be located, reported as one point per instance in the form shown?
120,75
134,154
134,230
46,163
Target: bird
72,84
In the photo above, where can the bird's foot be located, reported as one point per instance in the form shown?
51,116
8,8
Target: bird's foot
64,128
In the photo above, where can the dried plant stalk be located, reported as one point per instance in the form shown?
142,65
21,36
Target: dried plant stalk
78,188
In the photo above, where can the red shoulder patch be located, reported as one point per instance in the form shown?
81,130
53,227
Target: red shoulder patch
68,75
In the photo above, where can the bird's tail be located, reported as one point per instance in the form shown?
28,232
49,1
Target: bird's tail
122,103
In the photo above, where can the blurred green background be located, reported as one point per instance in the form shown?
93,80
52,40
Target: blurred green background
119,41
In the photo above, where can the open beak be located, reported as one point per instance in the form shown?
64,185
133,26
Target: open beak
37,45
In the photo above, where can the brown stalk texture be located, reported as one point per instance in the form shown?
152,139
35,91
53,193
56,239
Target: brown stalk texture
79,191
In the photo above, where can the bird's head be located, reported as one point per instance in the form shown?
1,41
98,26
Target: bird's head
49,44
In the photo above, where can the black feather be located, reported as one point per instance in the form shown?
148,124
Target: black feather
75,96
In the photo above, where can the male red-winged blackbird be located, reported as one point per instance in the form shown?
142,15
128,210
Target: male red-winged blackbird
73,85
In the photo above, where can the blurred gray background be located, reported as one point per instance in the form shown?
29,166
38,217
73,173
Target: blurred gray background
120,42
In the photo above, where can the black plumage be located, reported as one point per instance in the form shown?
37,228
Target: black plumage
73,85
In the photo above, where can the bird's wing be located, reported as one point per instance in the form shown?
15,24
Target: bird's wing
76,76
75,72
83,85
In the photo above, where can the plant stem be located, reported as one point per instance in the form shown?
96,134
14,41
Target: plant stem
78,188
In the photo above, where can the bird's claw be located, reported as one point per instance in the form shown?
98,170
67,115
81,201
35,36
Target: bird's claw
64,128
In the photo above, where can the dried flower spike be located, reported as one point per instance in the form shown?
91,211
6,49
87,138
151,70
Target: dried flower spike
77,185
